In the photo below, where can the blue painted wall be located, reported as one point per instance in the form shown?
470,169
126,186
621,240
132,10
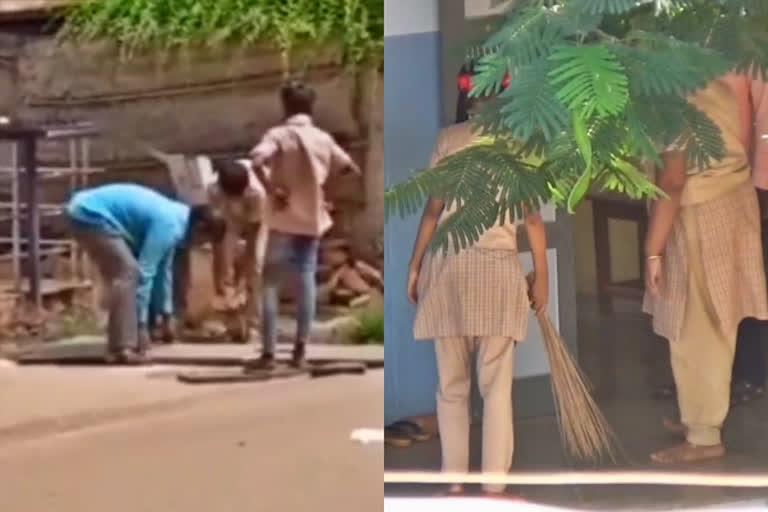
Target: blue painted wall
412,107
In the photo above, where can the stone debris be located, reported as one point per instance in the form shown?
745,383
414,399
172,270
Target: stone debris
345,279
345,282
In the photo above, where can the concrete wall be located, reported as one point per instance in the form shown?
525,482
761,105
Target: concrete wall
214,103
8,72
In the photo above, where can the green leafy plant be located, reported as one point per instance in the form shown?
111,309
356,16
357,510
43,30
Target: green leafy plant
369,328
137,26
74,321
598,88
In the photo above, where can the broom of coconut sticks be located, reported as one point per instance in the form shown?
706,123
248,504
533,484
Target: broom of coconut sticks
584,430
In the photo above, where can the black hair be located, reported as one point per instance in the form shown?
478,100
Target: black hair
203,220
233,177
464,103
297,98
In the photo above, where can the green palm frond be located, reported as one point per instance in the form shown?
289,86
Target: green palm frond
476,214
407,198
659,65
599,89
639,142
606,6
743,41
530,105
590,79
486,182
705,142
141,26
528,36
623,177
750,7
489,74
671,119
659,116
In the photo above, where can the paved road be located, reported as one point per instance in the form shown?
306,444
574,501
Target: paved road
279,446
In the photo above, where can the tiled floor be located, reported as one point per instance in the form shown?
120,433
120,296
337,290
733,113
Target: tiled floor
624,361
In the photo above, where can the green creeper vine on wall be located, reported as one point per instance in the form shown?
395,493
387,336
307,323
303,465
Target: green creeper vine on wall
138,26
597,88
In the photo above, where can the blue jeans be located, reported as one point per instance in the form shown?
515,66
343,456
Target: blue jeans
288,255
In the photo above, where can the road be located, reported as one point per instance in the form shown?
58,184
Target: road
278,446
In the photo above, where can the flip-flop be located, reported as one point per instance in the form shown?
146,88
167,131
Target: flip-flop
411,430
395,437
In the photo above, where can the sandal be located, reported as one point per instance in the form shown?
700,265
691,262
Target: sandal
395,437
264,363
687,452
411,430
126,357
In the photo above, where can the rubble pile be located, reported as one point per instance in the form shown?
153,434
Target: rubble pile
344,279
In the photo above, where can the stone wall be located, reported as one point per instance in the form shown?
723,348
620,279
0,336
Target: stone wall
208,103
8,72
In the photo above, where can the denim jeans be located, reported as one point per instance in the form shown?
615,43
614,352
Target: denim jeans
288,256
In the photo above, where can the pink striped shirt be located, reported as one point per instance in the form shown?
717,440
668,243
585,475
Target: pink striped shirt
752,95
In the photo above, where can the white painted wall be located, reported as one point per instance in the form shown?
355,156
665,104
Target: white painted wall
485,8
402,17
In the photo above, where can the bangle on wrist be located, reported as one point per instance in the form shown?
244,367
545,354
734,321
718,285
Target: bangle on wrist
653,257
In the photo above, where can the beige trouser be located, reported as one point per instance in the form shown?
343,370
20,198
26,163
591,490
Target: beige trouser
495,369
702,359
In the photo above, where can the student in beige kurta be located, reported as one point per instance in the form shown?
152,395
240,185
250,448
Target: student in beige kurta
705,274
474,303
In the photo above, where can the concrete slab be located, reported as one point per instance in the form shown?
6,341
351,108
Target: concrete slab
42,400
232,375
625,362
279,446
236,375
89,350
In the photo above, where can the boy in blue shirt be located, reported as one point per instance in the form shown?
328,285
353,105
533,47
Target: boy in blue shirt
131,233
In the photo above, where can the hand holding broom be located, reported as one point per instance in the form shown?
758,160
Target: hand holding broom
538,293
583,428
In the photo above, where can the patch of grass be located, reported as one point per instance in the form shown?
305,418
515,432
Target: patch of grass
370,328
72,322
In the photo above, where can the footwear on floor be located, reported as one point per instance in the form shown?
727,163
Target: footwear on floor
265,362
412,430
687,452
126,356
395,437
298,357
